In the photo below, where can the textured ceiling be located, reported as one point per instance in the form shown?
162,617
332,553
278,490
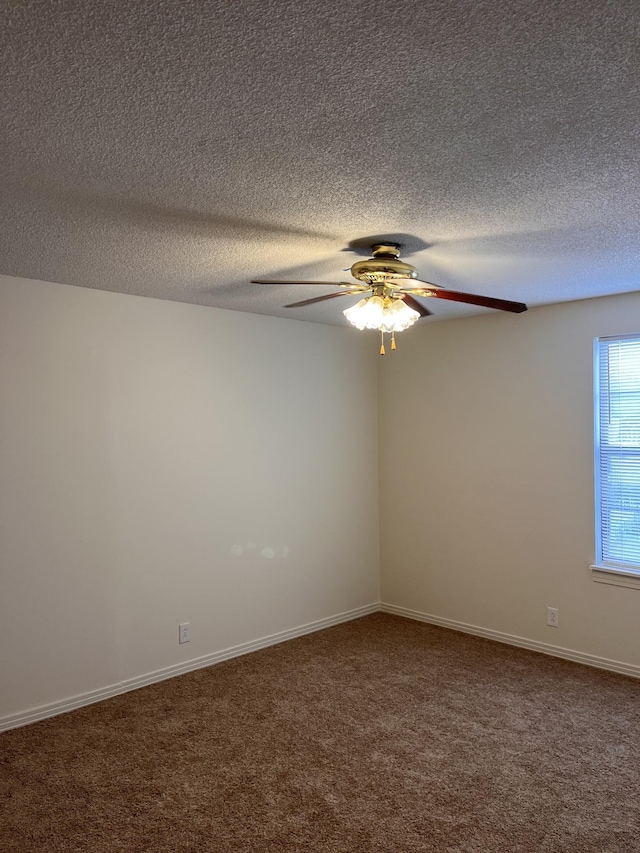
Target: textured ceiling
178,149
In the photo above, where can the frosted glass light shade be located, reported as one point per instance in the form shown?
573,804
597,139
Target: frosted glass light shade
398,316
386,315
366,314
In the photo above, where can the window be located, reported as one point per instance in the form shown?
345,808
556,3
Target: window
617,444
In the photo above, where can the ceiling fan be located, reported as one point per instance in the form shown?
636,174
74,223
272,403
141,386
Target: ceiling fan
392,287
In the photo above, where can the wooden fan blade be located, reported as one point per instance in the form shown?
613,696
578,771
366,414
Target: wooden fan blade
425,289
322,298
336,283
484,301
413,303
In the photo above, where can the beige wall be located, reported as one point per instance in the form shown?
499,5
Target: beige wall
162,463
486,476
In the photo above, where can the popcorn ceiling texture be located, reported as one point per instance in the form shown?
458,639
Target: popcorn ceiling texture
179,149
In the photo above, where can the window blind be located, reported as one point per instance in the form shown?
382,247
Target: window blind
617,412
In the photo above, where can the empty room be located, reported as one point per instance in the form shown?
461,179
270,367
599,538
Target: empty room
319,426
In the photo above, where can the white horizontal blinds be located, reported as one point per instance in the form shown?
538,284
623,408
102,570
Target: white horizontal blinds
619,450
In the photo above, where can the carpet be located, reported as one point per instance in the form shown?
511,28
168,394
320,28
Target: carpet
381,734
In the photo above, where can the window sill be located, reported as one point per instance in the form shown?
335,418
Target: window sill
616,576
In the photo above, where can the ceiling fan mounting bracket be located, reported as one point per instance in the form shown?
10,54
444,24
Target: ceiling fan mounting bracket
392,249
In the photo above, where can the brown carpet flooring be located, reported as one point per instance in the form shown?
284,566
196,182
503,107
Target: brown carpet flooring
381,734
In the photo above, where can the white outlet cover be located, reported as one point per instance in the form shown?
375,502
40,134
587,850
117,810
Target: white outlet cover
553,618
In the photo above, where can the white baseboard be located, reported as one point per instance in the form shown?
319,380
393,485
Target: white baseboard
512,640
13,721
54,708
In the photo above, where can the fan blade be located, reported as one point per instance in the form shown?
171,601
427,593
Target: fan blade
336,283
484,301
413,303
322,298
424,288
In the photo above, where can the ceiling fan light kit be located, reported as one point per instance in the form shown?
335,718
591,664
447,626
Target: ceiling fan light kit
382,313
392,285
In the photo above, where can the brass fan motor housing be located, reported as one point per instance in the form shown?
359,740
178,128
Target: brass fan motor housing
384,266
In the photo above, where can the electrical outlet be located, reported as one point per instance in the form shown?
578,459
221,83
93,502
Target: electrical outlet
552,617
185,632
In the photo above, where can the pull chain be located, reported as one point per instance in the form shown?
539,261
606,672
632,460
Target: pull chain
381,343
393,340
